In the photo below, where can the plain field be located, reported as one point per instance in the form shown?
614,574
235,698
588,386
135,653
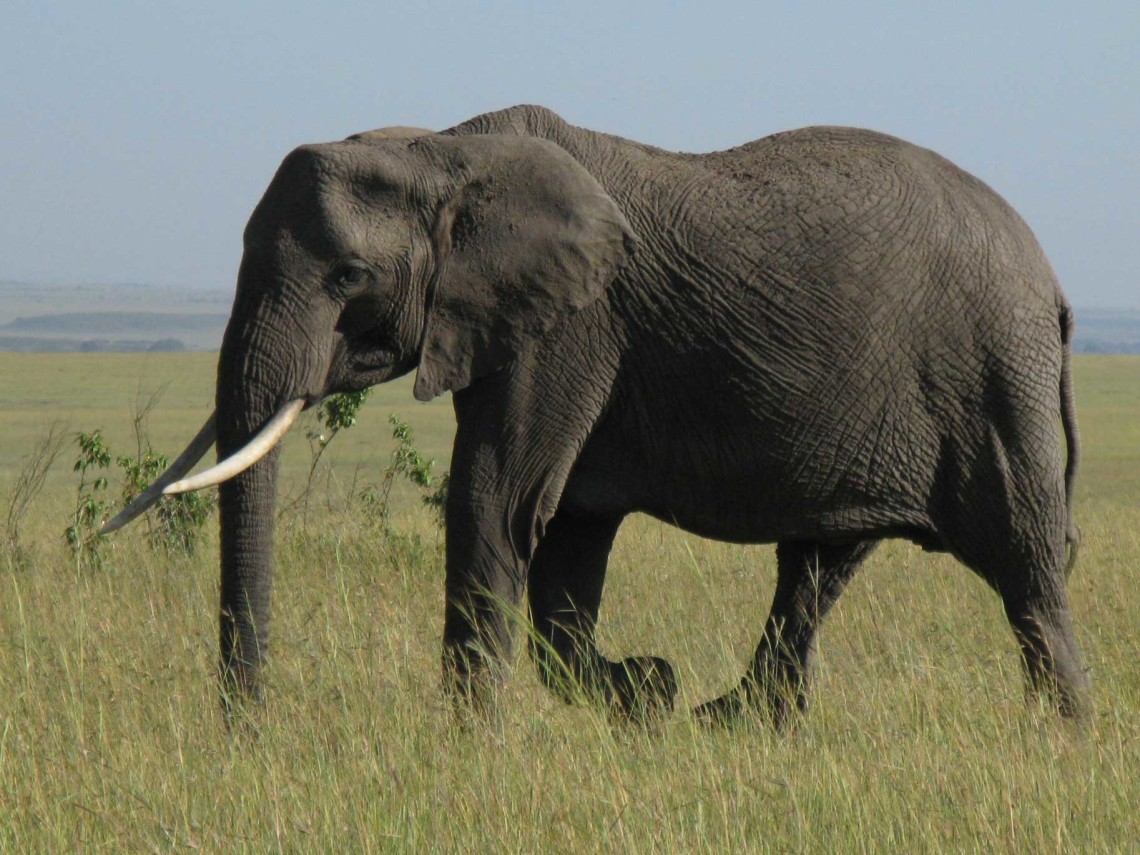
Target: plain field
917,739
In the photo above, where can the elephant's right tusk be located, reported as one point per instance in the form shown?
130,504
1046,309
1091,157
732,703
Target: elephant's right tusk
252,452
149,497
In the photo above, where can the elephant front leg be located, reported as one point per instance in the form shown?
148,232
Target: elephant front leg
484,586
518,434
810,579
565,588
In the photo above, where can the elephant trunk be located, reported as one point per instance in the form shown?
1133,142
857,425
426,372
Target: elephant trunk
259,372
246,504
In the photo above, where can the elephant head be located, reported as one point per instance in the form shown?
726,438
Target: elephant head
367,259
392,132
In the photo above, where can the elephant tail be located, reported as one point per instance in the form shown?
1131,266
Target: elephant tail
1072,436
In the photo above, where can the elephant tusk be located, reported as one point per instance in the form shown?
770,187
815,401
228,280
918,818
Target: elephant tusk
149,497
252,452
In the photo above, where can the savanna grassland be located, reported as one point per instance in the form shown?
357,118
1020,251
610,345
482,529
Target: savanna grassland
918,737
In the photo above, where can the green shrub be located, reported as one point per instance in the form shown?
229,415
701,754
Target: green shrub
91,502
406,462
177,523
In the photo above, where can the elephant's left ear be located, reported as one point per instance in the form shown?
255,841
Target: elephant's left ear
528,238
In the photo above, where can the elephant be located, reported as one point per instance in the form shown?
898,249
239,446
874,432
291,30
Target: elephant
820,339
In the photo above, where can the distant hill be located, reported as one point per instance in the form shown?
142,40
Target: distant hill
1107,331
33,344
97,318
115,323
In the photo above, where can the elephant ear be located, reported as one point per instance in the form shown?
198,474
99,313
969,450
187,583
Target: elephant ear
528,238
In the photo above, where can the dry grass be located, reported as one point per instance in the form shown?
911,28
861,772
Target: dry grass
918,738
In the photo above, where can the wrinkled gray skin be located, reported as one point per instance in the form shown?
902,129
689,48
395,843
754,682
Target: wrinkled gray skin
820,339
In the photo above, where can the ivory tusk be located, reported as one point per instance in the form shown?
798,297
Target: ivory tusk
252,452
149,497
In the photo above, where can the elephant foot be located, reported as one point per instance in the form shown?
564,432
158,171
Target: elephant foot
1070,698
723,711
781,703
642,689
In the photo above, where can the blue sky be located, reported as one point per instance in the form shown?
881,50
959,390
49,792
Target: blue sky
138,136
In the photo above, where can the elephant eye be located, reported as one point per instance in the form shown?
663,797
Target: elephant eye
351,277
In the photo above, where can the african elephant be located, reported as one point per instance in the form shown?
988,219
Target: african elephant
820,339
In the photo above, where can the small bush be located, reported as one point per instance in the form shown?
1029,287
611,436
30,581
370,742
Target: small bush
178,521
91,502
335,413
406,462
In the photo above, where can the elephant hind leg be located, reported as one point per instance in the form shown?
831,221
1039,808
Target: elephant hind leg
1029,576
1039,615
811,576
1014,537
567,575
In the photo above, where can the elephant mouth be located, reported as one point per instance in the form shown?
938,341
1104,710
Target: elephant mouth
364,360
367,368
373,361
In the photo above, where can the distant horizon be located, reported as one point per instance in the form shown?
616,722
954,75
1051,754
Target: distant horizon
53,315
228,288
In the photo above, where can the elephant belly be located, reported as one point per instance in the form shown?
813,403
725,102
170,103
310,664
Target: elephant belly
759,511
740,488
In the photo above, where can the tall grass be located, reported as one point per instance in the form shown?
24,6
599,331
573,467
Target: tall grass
918,737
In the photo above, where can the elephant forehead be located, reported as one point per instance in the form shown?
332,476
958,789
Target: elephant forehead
322,202
338,229
328,175
354,228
